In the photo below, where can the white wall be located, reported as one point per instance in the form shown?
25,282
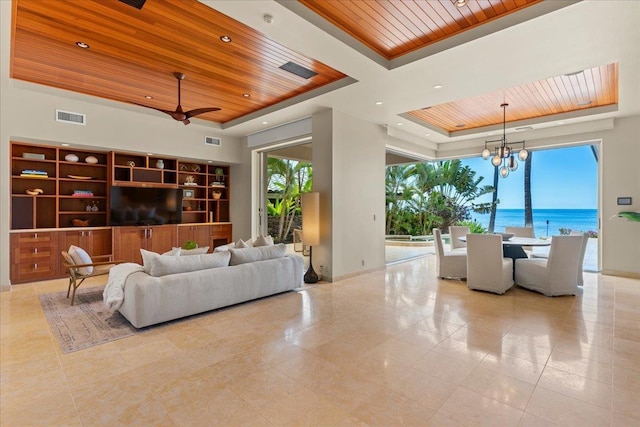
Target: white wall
349,173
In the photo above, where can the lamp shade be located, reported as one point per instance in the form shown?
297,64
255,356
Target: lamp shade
311,218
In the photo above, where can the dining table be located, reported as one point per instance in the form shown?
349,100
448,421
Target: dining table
513,247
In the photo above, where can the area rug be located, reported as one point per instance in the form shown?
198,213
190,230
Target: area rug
85,324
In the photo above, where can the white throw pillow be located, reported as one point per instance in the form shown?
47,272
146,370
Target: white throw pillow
244,244
80,256
165,265
149,257
224,247
197,251
263,241
262,253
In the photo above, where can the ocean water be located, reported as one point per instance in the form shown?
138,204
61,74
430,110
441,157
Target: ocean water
574,219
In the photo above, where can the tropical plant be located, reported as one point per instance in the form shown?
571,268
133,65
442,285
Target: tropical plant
474,226
286,180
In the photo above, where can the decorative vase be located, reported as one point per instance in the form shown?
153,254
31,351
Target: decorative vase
71,158
160,164
216,194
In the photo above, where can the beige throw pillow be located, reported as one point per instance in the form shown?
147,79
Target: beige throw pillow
148,257
196,251
261,253
165,265
244,244
263,241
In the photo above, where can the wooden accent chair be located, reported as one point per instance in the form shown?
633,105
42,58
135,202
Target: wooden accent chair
80,271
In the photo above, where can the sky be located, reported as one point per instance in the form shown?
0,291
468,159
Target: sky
561,178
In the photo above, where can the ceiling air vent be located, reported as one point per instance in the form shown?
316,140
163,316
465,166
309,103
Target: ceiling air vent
298,70
210,140
69,117
135,3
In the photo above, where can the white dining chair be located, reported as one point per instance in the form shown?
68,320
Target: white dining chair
449,264
558,275
487,269
522,232
455,232
583,250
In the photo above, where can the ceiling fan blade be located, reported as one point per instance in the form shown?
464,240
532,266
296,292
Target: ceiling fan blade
171,113
197,111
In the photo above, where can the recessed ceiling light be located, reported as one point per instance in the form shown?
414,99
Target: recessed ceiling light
225,39
83,45
427,134
438,86
64,144
209,161
560,123
148,97
584,103
265,123
399,123
460,125
378,102
460,3
246,95
523,128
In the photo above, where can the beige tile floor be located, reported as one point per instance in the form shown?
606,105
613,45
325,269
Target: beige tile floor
390,348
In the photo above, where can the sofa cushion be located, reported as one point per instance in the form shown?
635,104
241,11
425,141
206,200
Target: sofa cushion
165,265
173,252
263,241
261,253
80,256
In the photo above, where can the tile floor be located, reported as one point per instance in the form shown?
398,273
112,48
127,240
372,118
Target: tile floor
390,348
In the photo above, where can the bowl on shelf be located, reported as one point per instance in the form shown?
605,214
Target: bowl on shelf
216,194
505,236
77,222
71,157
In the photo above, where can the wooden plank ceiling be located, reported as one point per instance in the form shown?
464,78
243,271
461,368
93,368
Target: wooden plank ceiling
591,88
395,28
132,54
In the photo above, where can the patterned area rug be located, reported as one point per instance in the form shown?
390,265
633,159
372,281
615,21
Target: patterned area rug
85,324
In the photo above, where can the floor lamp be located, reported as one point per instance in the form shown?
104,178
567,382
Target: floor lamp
310,229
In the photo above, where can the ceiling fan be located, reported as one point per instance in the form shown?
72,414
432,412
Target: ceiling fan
179,114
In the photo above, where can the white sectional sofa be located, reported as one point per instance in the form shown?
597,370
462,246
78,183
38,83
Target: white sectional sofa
175,287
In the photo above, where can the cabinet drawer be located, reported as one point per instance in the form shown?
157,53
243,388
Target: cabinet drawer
223,230
35,239
35,254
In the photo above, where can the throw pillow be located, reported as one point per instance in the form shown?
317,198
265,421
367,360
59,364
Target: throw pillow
244,244
263,241
261,253
197,251
224,247
80,256
165,265
149,257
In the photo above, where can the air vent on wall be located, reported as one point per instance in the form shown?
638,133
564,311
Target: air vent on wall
69,117
298,70
210,140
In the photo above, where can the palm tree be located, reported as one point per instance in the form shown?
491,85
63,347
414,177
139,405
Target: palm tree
494,200
528,211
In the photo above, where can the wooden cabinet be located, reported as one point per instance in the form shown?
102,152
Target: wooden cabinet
68,184
96,241
211,235
34,256
140,170
127,241
221,234
199,233
206,192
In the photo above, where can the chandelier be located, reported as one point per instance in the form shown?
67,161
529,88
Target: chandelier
503,153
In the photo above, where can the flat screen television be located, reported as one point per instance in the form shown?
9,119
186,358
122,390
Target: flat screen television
145,206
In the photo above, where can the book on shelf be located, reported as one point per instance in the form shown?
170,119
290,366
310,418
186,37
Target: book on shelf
31,173
82,193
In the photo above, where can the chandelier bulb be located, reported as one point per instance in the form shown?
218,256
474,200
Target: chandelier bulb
507,152
504,171
486,153
496,160
523,154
